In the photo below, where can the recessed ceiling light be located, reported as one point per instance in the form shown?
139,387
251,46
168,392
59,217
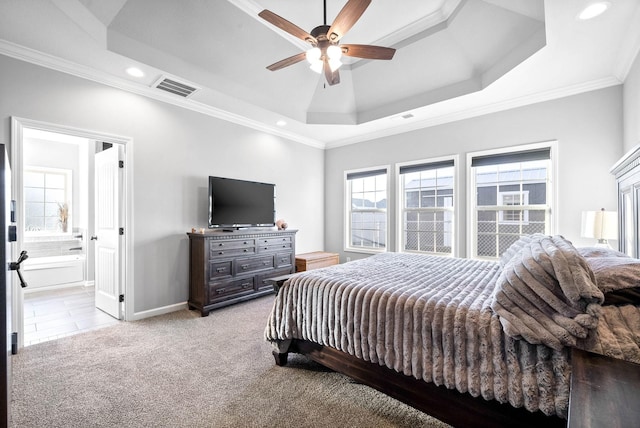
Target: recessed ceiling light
135,72
594,9
281,122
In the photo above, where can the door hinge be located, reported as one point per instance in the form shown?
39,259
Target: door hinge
121,298
121,231
121,164
14,343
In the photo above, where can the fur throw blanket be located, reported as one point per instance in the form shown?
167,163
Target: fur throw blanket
546,293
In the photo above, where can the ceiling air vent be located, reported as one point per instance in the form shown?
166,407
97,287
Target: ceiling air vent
175,86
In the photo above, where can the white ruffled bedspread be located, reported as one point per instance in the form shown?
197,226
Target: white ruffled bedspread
425,316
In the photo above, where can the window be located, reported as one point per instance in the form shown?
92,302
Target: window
512,196
366,193
513,199
426,201
47,195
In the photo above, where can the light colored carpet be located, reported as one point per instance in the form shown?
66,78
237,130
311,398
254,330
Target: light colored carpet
182,370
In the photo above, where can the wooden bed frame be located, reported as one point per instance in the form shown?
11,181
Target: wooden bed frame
447,405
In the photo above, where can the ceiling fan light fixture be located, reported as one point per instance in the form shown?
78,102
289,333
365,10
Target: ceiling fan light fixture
313,55
317,66
334,52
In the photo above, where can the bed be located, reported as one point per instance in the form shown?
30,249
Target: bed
473,343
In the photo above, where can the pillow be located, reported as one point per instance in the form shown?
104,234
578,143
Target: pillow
600,252
615,273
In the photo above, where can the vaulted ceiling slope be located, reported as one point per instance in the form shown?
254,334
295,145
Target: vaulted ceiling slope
454,58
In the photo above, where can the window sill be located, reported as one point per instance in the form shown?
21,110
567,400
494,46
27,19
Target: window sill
365,250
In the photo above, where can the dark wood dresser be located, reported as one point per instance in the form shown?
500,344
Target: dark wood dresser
231,267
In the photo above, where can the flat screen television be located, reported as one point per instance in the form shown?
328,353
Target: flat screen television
235,204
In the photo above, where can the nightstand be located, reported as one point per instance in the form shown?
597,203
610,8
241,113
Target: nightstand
605,392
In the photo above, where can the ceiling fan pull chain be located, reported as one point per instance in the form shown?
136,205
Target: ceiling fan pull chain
325,12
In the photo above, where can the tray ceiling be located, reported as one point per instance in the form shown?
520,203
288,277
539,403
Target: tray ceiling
454,58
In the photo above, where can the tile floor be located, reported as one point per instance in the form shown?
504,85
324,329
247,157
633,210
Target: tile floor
53,314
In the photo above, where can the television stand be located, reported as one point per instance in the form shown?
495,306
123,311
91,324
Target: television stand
234,266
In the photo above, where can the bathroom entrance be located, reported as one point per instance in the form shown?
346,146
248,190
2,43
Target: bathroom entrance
55,186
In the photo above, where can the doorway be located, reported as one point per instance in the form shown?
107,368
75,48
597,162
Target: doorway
59,231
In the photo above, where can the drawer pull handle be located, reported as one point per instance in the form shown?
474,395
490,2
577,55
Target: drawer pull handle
246,250
245,267
247,285
220,252
221,290
221,245
265,263
219,270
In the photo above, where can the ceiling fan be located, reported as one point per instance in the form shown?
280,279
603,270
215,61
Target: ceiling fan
326,52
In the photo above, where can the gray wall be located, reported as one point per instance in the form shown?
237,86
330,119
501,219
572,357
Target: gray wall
632,106
175,150
588,128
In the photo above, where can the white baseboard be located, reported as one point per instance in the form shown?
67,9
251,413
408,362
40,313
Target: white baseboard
159,311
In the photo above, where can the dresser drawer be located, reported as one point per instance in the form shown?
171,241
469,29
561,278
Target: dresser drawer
221,290
220,269
231,248
252,264
284,259
274,244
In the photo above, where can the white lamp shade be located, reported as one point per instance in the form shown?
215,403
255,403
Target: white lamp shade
600,224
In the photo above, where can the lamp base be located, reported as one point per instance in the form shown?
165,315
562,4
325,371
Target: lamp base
603,243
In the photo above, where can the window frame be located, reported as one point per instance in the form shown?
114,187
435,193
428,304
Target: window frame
68,191
551,207
347,211
400,209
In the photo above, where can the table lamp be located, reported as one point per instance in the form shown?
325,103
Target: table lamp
601,225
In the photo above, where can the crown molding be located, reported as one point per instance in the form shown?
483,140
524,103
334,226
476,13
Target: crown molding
88,73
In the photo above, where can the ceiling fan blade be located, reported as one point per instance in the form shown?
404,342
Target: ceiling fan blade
348,16
287,26
287,61
333,77
367,51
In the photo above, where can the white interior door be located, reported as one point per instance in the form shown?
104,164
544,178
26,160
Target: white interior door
108,239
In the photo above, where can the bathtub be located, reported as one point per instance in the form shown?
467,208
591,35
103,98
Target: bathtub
52,271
